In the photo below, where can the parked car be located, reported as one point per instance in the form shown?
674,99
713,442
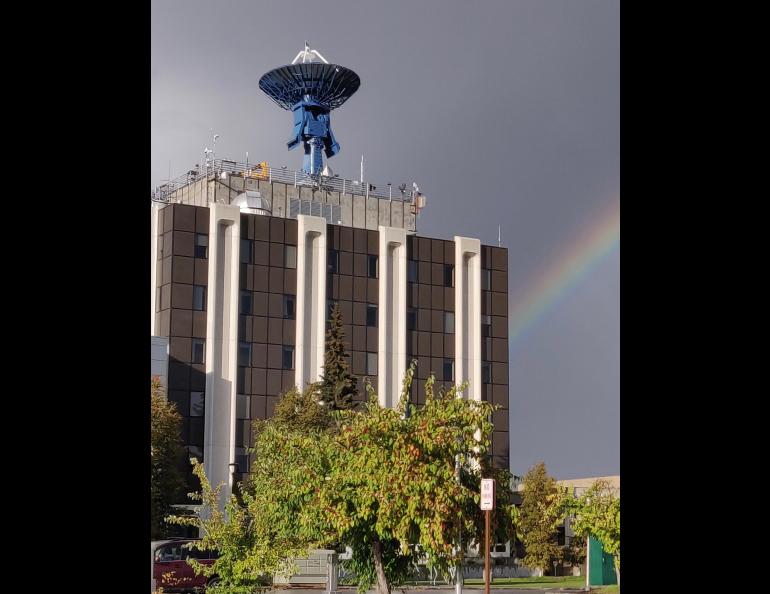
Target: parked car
170,569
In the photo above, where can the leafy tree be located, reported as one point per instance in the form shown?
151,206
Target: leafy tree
541,514
597,513
302,411
166,481
338,387
575,551
381,481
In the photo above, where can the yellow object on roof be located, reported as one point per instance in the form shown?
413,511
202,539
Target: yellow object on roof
259,171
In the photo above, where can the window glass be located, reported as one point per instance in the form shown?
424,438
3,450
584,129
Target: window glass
247,250
199,297
486,279
171,552
486,372
241,406
371,267
197,404
195,451
371,315
449,275
289,310
201,245
333,262
449,370
486,325
198,350
371,363
246,302
242,460
411,319
449,322
412,271
244,354
288,357
290,256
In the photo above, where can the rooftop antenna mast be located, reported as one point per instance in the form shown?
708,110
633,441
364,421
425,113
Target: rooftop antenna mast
310,87
499,243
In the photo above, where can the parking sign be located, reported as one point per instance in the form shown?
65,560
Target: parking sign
487,494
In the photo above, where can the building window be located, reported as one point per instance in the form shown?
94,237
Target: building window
290,256
242,406
247,251
371,266
449,275
241,461
288,357
486,372
199,298
244,354
486,279
486,325
412,271
371,314
449,370
411,319
246,302
198,350
289,308
195,452
371,363
197,404
333,262
201,245
449,322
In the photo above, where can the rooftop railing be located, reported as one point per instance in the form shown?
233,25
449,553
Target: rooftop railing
220,168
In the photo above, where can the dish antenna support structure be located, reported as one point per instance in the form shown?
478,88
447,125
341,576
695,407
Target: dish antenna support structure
310,87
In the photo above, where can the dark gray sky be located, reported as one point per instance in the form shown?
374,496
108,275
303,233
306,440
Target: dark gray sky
503,112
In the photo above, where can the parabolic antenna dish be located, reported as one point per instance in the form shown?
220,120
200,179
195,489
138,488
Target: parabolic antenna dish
329,85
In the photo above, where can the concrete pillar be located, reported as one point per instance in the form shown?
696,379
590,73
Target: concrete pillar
222,345
391,362
468,315
154,210
311,299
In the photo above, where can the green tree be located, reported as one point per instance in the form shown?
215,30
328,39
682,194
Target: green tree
302,411
541,514
166,482
597,513
381,481
338,387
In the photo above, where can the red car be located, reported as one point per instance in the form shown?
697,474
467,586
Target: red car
171,571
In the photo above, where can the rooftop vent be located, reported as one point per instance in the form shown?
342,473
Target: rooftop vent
253,202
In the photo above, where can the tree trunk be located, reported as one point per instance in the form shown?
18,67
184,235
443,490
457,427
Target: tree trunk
382,582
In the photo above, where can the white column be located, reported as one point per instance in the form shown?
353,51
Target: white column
154,210
468,315
391,361
221,345
311,300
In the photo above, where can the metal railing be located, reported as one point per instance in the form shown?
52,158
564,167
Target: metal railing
163,193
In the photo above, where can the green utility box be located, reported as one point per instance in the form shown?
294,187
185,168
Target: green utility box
601,565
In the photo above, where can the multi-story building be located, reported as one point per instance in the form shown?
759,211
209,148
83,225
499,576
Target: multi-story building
247,263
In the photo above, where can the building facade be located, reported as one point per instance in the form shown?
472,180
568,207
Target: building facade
243,284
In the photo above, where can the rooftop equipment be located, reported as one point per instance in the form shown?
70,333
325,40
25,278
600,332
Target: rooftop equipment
311,88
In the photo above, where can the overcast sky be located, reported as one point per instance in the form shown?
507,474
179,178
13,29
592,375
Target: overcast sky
504,113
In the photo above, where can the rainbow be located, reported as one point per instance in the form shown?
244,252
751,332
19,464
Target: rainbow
571,264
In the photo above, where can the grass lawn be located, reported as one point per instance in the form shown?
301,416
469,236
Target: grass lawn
606,590
533,582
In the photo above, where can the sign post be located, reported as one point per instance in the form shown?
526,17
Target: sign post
487,504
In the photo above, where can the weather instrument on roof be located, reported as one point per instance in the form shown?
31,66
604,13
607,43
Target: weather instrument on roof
311,88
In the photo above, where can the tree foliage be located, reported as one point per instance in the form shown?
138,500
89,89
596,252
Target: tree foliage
166,481
302,411
541,514
337,387
597,513
380,480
